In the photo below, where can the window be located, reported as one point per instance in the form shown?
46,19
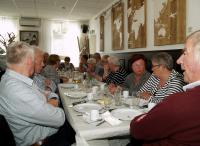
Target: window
8,25
64,40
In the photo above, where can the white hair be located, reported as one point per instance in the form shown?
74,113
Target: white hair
194,38
91,61
114,60
17,52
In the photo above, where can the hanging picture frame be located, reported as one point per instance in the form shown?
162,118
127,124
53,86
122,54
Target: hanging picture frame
117,14
136,14
101,33
169,22
30,37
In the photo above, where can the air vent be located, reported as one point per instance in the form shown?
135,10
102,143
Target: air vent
30,22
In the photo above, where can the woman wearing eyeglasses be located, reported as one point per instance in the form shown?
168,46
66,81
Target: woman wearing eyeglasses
163,81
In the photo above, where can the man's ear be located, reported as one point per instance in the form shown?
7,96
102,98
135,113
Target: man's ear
29,61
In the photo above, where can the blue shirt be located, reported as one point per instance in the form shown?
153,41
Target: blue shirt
51,73
26,110
39,80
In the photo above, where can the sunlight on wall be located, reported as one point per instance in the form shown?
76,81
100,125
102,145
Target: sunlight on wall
65,42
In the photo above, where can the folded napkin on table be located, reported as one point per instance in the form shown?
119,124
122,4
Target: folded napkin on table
110,119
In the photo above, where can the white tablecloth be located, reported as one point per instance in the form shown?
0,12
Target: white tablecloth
88,134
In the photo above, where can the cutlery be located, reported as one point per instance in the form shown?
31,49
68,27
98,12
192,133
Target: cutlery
78,102
100,123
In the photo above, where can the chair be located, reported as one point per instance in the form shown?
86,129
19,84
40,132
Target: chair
6,136
1,73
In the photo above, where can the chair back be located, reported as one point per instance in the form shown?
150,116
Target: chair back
6,136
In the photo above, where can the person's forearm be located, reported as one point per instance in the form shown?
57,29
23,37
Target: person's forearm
53,102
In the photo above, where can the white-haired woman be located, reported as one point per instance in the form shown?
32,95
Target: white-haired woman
164,79
117,73
91,63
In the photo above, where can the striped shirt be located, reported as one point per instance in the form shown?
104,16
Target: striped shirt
117,77
174,84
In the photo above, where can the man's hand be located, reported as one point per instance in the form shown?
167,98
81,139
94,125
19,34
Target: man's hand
53,101
47,82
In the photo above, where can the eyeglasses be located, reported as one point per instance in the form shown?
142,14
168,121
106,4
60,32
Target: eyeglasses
153,66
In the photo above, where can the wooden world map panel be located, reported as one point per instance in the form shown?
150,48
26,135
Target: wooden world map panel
169,22
101,33
117,23
136,23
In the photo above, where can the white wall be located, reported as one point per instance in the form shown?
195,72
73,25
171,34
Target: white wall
192,24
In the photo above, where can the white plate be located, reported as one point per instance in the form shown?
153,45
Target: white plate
87,107
76,94
125,113
68,86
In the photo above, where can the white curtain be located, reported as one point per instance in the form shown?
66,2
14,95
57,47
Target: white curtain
64,40
46,35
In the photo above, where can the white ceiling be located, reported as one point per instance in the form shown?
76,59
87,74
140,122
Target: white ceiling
53,9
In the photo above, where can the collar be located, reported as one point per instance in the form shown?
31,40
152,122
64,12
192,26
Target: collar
191,85
20,77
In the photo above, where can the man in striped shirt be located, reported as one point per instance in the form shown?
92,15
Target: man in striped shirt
43,84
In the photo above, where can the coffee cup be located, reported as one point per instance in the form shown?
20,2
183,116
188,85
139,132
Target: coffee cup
125,94
94,89
94,115
76,86
90,96
102,87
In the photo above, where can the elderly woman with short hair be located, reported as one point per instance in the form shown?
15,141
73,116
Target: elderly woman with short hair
164,79
91,63
50,71
117,74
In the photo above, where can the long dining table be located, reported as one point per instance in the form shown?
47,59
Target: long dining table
89,134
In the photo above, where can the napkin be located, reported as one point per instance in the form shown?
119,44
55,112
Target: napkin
110,119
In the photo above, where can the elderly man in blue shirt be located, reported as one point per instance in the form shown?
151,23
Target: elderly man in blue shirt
45,85
30,117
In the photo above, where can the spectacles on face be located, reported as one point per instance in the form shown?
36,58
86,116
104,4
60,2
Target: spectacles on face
153,66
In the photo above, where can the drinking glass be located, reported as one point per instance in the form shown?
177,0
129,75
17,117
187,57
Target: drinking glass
135,98
117,97
76,77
